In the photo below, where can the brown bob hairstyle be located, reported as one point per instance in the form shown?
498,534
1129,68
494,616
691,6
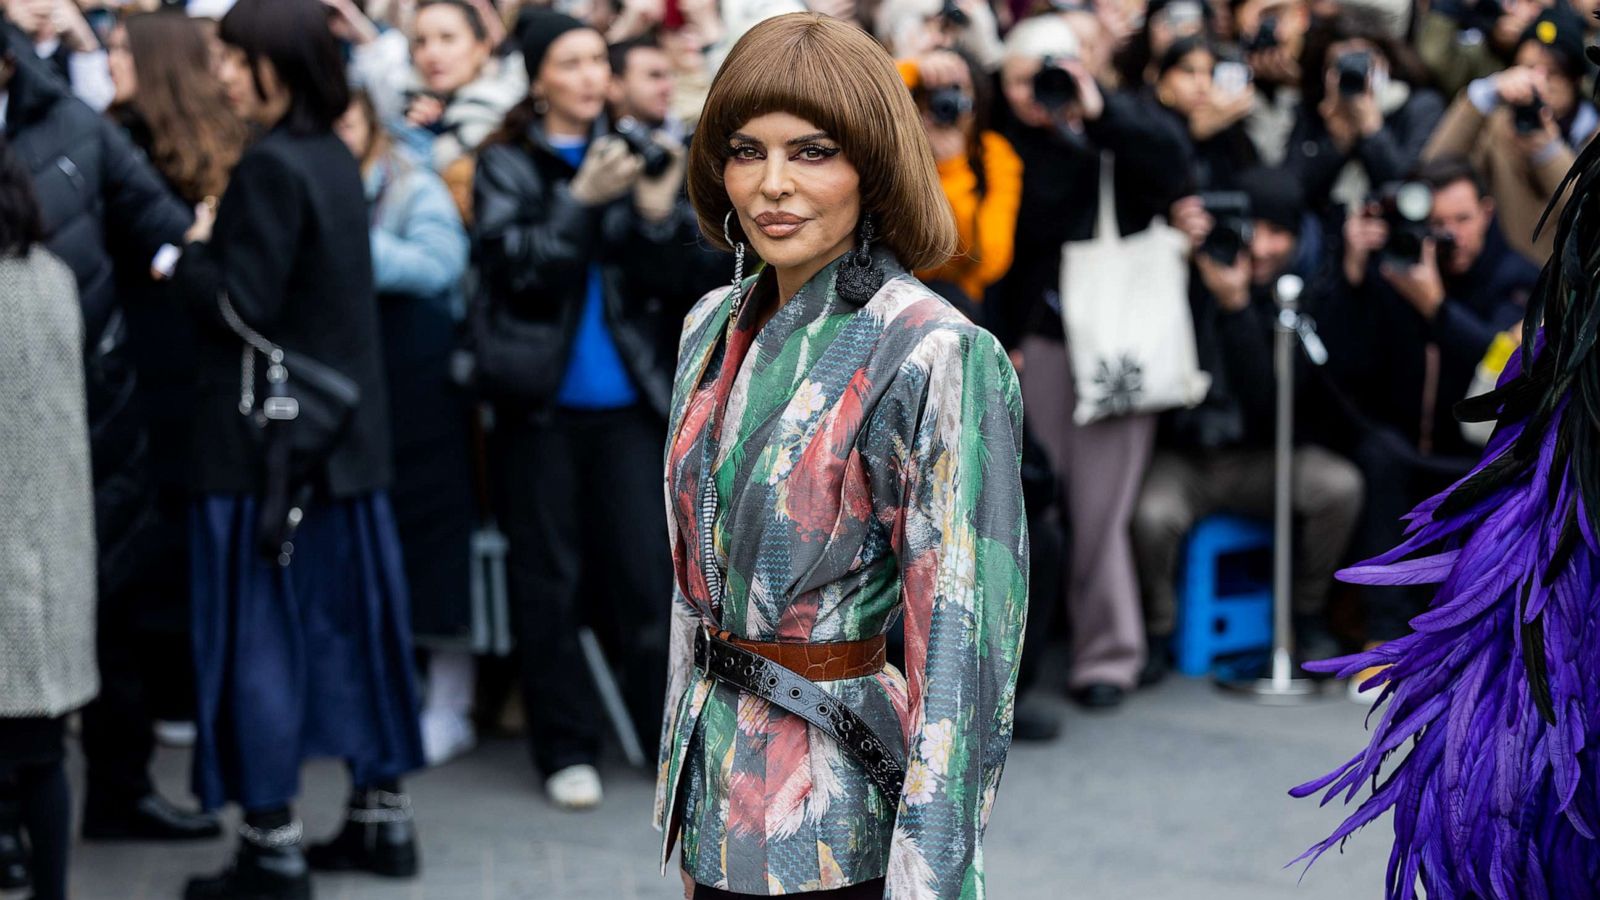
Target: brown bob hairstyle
833,75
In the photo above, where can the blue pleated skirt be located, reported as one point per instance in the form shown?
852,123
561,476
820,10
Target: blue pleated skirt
309,661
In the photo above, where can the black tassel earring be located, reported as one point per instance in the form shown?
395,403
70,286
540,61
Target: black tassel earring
859,276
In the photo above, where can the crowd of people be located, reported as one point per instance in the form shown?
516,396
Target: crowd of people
309,302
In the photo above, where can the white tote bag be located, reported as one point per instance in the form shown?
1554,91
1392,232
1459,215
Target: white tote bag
1125,307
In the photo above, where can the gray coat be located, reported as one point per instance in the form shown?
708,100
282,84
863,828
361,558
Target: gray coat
47,546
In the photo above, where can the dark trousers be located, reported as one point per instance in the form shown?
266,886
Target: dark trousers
1398,478
35,798
146,665
586,521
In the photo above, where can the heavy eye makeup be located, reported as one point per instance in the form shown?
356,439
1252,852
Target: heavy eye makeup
815,148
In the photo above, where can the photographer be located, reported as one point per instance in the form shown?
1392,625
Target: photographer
913,28
1523,127
1464,40
1271,34
1208,113
1063,121
1219,455
1426,291
980,173
642,86
588,259
1363,118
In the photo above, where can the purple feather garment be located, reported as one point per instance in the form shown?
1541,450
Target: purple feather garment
1486,748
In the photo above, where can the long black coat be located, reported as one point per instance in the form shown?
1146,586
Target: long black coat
291,249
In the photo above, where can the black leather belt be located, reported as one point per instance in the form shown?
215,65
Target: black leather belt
787,690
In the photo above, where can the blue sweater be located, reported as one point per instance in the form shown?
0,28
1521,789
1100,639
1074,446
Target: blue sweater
596,377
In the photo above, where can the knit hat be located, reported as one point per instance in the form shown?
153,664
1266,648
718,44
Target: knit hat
1276,196
537,29
1559,30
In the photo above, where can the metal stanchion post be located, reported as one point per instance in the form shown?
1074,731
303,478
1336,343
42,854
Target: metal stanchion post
1282,685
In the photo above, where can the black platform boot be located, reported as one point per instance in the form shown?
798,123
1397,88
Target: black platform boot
378,837
270,865
13,853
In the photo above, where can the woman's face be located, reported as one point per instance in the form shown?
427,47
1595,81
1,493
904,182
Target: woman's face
797,197
354,129
1016,83
574,77
1185,86
264,107
119,56
446,53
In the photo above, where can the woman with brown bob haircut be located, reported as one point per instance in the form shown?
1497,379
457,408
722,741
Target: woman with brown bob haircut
843,450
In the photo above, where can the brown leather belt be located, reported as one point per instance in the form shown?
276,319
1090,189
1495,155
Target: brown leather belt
830,661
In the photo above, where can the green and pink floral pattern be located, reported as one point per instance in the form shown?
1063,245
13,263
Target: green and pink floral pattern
866,467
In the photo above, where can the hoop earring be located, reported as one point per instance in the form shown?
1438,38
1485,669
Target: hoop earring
541,106
860,277
738,249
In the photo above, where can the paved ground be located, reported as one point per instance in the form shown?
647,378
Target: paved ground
1179,795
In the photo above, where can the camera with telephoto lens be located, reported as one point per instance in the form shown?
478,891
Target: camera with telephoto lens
643,144
1231,230
1528,117
1265,38
1354,71
947,105
1053,86
1406,206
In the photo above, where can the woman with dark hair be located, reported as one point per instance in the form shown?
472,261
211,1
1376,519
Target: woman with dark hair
419,254
587,264
47,553
301,626
845,449
459,90
1365,112
1209,115
980,174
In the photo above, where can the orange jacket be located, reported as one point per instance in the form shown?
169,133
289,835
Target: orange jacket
987,225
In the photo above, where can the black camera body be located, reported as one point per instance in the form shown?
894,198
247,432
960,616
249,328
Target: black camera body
947,105
1528,117
1354,71
1265,38
1233,227
1053,86
1406,206
643,145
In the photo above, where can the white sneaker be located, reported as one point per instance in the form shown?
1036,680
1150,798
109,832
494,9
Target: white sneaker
575,787
446,735
175,734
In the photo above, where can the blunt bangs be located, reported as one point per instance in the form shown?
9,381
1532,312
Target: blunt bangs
836,77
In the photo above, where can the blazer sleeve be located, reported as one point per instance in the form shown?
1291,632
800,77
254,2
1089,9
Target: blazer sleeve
961,542
253,245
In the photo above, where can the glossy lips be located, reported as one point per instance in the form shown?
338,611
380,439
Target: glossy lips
779,224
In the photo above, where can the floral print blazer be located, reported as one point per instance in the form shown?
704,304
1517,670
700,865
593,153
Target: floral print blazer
866,466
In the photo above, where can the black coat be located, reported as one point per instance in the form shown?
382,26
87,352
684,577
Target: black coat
1061,201
94,187
1387,156
534,244
96,191
291,248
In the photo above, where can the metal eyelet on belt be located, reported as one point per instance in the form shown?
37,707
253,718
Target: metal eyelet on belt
772,682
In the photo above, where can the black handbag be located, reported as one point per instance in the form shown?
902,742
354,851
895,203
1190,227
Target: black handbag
305,409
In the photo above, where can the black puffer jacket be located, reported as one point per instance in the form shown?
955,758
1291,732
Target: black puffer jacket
94,188
534,244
